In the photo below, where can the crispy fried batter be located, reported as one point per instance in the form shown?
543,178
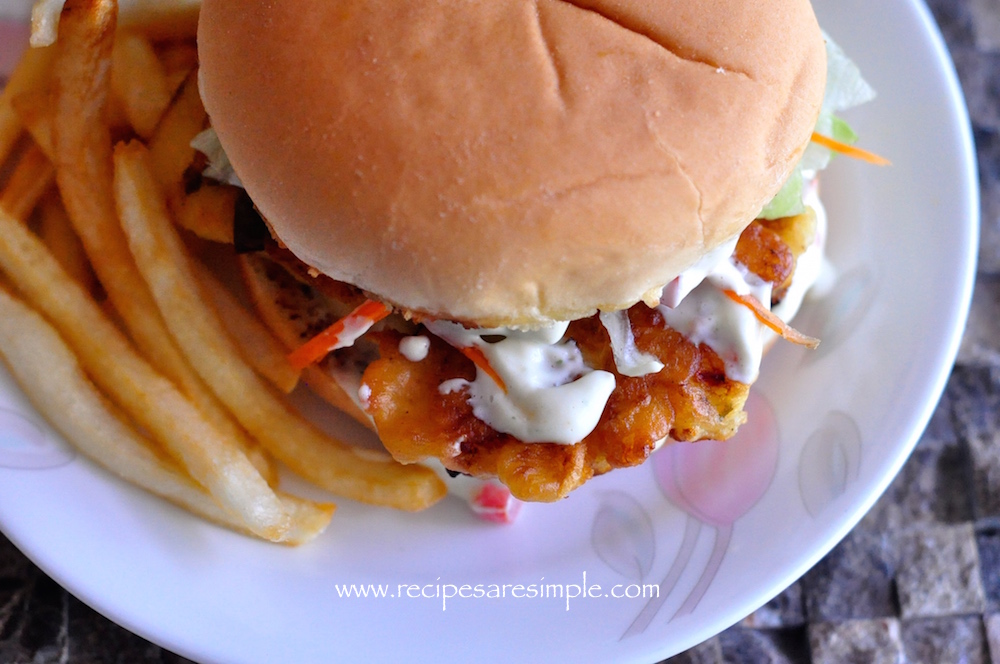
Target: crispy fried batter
690,399
415,420
764,252
796,234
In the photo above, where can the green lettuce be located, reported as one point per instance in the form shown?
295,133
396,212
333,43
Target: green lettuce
845,88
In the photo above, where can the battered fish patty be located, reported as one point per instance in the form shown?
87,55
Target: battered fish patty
690,399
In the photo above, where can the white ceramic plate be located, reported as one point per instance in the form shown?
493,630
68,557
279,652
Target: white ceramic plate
718,531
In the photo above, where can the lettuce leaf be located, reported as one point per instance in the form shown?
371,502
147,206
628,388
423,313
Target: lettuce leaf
845,89
788,201
219,168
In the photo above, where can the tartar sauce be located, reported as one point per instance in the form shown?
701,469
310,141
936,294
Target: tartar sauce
706,315
629,360
415,348
552,396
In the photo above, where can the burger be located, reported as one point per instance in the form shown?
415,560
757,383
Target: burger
524,241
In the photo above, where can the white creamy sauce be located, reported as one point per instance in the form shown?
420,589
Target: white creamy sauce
629,360
689,279
811,266
364,396
707,316
415,348
551,394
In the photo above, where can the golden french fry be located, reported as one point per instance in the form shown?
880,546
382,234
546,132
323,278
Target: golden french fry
258,347
62,241
309,518
31,73
294,441
82,155
208,212
51,377
82,146
83,171
139,81
177,19
179,59
32,175
162,21
34,109
170,147
143,323
151,400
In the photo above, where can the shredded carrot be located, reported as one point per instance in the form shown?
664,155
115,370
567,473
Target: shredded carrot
849,150
357,322
478,357
768,318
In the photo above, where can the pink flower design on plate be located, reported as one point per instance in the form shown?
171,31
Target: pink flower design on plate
716,483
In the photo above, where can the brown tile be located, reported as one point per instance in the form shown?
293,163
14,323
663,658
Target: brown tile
937,640
857,642
938,572
854,581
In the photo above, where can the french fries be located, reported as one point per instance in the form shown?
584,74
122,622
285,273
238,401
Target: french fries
208,212
34,109
328,463
169,383
31,177
31,73
171,144
82,148
151,400
61,240
51,377
179,59
173,19
139,82
258,347
83,171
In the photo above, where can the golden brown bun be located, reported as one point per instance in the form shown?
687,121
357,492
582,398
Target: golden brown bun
510,163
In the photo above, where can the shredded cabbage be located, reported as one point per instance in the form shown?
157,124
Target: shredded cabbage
629,360
845,87
219,168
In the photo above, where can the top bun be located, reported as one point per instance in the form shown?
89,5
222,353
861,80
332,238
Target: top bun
510,162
